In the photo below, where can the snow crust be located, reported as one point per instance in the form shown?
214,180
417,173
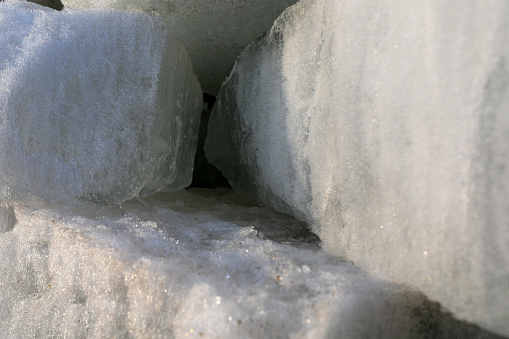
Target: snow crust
95,105
213,32
197,263
385,126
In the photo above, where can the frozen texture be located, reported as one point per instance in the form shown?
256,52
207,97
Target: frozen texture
214,32
95,105
385,125
192,264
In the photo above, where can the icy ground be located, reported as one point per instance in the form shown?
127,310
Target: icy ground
196,263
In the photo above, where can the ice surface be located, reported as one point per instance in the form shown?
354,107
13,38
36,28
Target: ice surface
95,105
213,32
386,126
192,264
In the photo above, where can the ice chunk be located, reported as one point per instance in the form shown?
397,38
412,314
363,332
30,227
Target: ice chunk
213,32
194,264
95,105
385,126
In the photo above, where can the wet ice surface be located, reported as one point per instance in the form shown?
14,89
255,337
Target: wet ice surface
195,263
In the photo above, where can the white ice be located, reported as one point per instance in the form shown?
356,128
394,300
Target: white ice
381,124
385,125
213,32
196,263
95,105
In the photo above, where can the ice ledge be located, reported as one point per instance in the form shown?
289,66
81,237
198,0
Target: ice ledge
191,263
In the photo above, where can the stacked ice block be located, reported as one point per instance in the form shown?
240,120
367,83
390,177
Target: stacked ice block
384,125
95,105
213,32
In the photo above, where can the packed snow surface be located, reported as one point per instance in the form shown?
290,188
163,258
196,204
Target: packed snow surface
95,105
385,125
214,32
197,263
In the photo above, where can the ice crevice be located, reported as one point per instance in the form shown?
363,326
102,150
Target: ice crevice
55,4
363,146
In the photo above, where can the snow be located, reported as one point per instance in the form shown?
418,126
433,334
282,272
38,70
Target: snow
199,263
385,126
213,32
95,105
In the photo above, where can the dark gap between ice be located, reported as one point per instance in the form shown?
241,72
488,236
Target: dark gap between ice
55,4
206,175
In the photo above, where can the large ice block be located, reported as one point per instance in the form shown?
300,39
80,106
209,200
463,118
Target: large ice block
196,264
213,32
95,105
384,125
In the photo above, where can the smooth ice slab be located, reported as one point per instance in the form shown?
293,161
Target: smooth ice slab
386,126
192,264
213,32
95,105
